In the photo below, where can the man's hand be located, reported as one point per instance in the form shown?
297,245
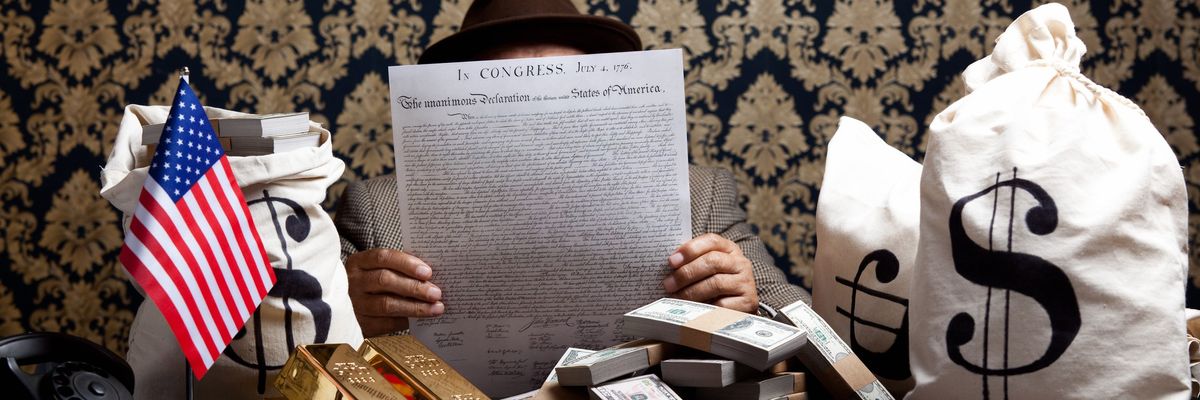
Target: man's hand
712,269
388,286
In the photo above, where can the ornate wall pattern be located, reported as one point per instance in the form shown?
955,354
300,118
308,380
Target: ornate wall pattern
766,82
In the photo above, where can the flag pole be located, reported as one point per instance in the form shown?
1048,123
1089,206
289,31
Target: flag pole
184,74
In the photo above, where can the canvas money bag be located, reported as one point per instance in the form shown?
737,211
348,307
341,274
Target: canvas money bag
867,228
309,302
1053,250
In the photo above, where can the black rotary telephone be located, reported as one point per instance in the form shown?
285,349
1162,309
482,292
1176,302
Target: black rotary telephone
64,367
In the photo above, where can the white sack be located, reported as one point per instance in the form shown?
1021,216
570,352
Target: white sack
309,303
1059,201
867,228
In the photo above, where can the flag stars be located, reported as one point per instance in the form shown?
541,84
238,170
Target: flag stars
192,119
191,131
181,104
179,128
176,192
193,106
178,167
181,117
177,180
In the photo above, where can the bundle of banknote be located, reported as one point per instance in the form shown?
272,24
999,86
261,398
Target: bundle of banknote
759,388
645,387
613,362
748,339
551,389
704,373
830,359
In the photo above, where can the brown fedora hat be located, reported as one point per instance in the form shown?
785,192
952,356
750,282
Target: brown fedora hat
493,22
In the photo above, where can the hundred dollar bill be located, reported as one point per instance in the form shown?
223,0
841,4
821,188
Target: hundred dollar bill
677,312
571,355
621,360
596,357
753,330
830,359
645,387
760,332
820,334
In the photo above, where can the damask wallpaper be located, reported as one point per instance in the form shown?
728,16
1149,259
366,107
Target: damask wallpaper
766,82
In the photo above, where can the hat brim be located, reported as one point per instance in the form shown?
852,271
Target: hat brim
588,33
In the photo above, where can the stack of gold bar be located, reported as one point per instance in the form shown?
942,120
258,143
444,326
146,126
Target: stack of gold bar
332,371
385,368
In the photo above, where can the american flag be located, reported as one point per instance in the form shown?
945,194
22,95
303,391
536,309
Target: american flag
192,246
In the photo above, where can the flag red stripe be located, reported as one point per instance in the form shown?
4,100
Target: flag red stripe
231,285
160,255
240,239
244,216
240,272
202,242
173,236
165,306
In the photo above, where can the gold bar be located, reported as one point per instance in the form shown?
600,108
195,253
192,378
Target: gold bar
331,372
430,377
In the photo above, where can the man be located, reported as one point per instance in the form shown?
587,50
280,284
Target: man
725,264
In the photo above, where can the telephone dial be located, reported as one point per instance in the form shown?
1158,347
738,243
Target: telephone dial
63,367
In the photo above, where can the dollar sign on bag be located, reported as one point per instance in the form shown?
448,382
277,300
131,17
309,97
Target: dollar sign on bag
893,362
291,285
1011,271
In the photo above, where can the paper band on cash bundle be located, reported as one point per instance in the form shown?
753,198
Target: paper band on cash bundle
698,333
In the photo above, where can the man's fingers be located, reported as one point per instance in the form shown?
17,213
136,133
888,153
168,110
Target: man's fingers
740,303
394,260
383,281
707,265
719,285
701,245
395,306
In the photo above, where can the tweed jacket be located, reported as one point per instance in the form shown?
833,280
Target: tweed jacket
369,217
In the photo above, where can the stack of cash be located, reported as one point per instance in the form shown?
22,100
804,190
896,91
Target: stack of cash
550,389
645,387
703,373
751,340
613,362
761,388
830,359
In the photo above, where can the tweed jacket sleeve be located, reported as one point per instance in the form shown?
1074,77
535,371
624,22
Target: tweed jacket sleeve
369,217
715,209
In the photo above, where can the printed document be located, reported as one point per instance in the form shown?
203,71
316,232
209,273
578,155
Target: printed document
546,194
